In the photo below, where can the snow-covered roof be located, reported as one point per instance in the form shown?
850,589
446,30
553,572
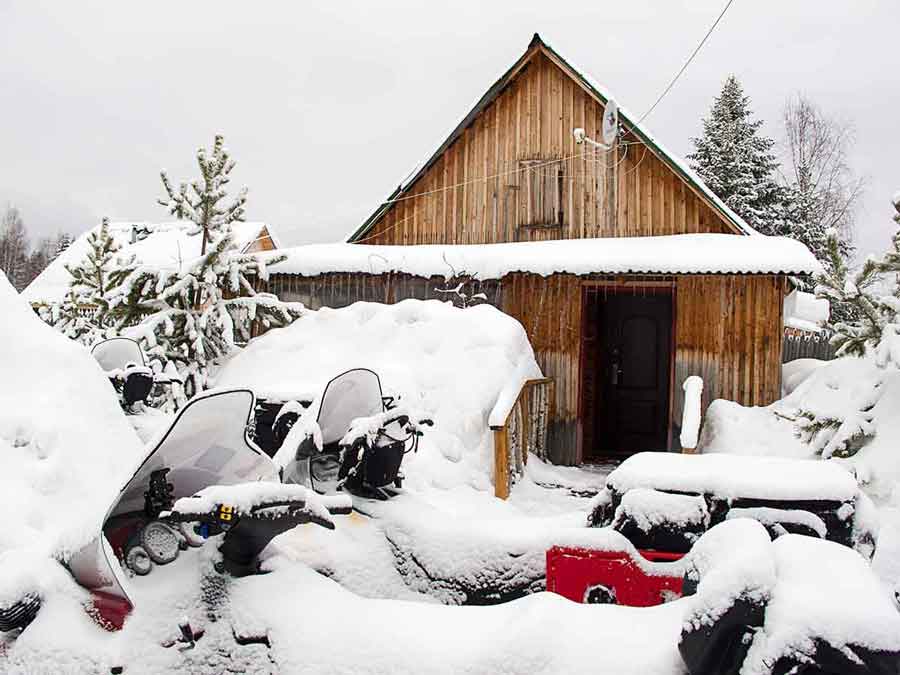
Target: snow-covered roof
598,91
672,254
804,311
165,245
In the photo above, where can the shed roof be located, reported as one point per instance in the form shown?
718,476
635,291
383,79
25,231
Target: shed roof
601,94
672,254
165,245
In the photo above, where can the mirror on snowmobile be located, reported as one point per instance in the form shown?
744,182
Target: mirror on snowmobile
116,353
351,395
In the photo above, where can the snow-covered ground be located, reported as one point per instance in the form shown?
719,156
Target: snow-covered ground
377,594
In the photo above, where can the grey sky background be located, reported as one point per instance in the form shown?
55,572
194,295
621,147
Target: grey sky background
327,106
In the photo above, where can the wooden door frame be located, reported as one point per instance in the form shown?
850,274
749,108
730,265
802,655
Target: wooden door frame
616,285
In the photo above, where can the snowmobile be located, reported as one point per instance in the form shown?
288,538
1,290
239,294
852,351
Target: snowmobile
122,359
352,438
664,503
203,479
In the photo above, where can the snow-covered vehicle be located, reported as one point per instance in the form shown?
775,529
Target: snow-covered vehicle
204,478
122,359
350,438
665,501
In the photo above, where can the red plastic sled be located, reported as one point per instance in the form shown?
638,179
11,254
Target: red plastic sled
610,577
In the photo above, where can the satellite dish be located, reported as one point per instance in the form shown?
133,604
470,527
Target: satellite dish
610,122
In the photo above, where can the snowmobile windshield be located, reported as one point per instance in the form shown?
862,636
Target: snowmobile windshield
356,393
206,445
116,353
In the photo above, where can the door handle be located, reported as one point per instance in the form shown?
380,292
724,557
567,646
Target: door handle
616,371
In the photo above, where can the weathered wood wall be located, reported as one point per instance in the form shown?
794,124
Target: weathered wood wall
478,189
727,330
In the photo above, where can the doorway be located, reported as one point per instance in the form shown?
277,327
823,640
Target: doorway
626,370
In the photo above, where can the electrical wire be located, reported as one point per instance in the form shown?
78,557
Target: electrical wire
686,63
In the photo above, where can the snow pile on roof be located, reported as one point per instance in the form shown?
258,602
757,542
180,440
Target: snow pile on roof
166,245
840,603
65,445
734,476
448,363
672,254
804,311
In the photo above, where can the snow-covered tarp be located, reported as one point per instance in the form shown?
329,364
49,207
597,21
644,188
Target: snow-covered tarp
672,254
448,363
164,245
804,311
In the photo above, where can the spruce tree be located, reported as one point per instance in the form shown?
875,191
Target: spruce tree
875,332
189,321
735,160
99,272
83,314
205,200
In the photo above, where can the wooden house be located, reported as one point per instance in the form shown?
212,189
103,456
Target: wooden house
626,271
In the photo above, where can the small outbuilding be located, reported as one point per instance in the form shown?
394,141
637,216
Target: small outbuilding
627,272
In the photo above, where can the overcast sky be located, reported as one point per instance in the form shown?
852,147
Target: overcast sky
327,107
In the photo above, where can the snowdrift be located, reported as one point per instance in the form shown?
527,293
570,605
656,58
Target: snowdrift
65,445
849,388
452,364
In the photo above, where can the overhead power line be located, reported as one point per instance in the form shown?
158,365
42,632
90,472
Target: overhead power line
686,63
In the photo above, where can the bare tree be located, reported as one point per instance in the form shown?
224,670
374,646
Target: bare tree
816,168
14,247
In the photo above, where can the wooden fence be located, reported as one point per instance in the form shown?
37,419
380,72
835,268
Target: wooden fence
806,345
525,430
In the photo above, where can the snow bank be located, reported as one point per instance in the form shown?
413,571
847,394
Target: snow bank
841,603
794,373
65,444
851,389
734,476
804,311
448,363
672,254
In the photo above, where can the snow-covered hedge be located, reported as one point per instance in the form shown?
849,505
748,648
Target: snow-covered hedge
450,363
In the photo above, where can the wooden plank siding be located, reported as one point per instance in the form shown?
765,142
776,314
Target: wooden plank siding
475,192
727,330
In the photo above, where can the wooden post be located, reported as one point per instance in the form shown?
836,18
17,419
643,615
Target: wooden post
501,463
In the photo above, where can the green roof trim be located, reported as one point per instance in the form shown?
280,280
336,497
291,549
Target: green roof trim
538,44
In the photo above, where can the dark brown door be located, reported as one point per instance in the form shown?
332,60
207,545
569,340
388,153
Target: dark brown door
634,372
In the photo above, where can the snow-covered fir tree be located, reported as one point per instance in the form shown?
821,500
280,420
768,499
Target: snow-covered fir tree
189,320
205,200
84,313
735,160
874,293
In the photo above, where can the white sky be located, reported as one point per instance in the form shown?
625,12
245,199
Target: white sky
327,106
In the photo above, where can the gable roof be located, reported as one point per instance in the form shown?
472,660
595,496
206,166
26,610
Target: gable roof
165,245
536,46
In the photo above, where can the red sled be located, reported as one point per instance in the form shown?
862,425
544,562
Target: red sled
611,577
